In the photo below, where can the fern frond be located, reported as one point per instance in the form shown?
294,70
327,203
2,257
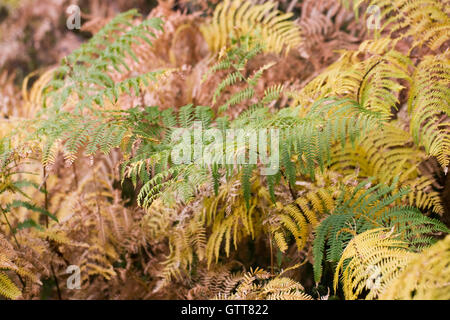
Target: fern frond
364,208
239,17
399,156
73,100
371,261
426,277
7,288
260,285
426,21
429,100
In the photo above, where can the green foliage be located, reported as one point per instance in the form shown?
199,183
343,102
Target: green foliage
234,62
75,99
13,182
330,121
367,207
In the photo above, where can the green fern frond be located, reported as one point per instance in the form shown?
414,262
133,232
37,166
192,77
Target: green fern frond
81,87
363,208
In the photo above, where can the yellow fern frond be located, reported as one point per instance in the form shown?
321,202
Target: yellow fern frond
399,156
94,261
33,98
239,17
259,284
379,88
280,241
429,107
230,218
295,222
59,237
372,82
285,289
426,21
427,276
302,216
7,288
342,78
375,259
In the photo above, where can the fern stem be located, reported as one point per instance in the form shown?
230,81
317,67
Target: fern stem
10,227
75,175
56,281
46,225
45,195
291,5
294,197
271,254
363,79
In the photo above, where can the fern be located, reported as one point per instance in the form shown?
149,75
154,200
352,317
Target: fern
243,18
399,156
7,288
336,120
349,189
372,259
259,285
187,242
232,221
365,208
429,99
11,262
381,263
426,21
426,276
241,51
376,82
75,98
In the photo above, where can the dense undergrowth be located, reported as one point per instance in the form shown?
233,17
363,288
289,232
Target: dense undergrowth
117,162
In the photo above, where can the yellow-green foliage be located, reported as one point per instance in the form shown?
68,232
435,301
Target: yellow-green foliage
302,216
7,288
372,82
230,219
187,242
426,21
378,262
363,147
426,277
241,17
429,100
370,262
398,155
